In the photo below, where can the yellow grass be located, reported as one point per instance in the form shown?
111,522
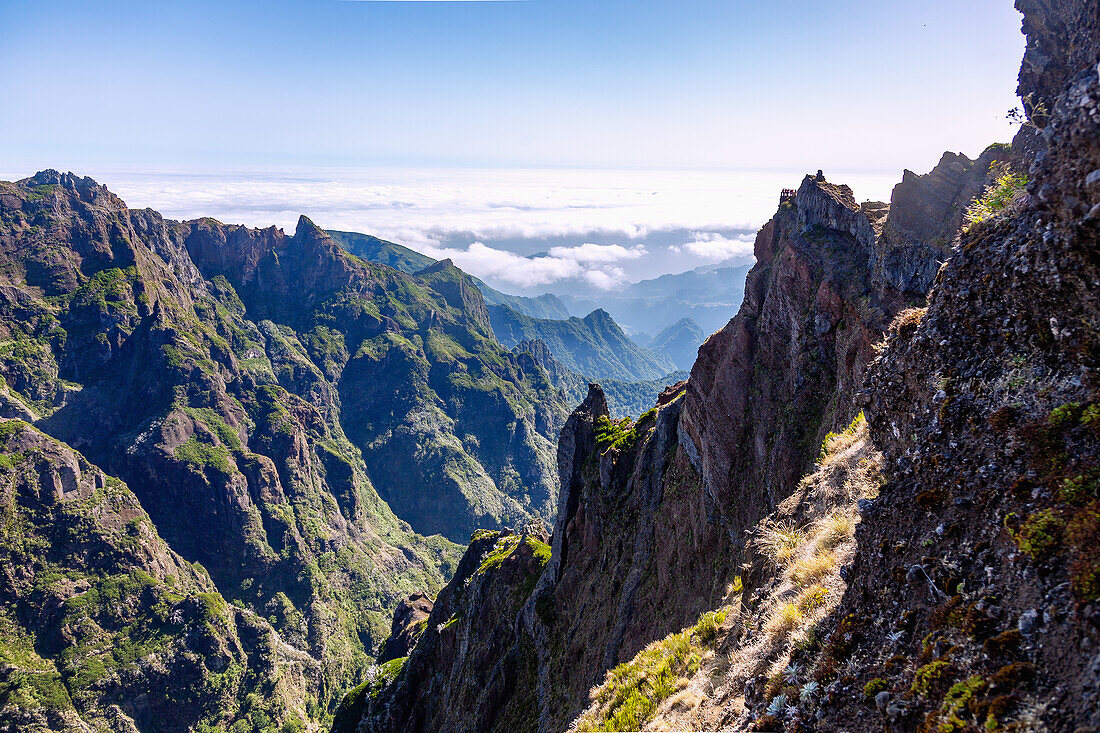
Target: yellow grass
777,541
810,568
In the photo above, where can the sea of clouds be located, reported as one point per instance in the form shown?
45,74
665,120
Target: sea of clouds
524,230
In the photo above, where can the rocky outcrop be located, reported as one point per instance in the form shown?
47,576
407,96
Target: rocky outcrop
473,667
1063,38
926,215
766,388
409,619
989,519
653,516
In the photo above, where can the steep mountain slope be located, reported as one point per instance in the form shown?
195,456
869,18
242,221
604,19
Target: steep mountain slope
379,251
104,628
652,518
708,295
991,431
373,249
427,394
594,345
933,568
256,390
679,342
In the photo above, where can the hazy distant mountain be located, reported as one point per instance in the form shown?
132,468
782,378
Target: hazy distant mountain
624,399
594,346
399,257
680,342
708,295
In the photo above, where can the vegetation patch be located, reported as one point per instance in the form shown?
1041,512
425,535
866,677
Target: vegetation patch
632,692
204,456
874,687
615,434
1006,188
931,677
505,546
1040,534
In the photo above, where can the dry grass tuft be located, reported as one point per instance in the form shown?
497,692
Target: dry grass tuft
784,620
838,526
812,598
811,567
907,321
835,444
777,541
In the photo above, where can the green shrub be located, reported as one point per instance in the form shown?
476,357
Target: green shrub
615,434
1040,535
1007,186
930,676
874,687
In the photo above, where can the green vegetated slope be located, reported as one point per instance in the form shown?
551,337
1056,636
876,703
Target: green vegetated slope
594,345
680,342
373,249
257,392
103,626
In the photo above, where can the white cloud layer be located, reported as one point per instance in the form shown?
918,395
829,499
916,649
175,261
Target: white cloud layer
589,262
495,208
714,247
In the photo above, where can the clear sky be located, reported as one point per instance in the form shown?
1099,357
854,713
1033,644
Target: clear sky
738,84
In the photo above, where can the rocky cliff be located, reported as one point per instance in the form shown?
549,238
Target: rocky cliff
652,515
258,392
755,554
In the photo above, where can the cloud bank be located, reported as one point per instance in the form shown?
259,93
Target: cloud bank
714,247
593,263
525,228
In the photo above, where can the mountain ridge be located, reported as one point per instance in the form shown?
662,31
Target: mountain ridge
234,379
594,345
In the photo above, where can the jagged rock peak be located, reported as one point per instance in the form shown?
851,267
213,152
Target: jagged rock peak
441,266
830,206
86,189
306,228
599,316
595,404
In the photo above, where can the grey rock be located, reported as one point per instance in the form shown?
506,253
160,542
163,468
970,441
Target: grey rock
1027,622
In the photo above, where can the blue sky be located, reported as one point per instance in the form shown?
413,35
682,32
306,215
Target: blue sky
856,84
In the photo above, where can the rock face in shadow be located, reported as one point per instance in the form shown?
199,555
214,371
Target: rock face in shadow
409,619
926,214
1063,39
